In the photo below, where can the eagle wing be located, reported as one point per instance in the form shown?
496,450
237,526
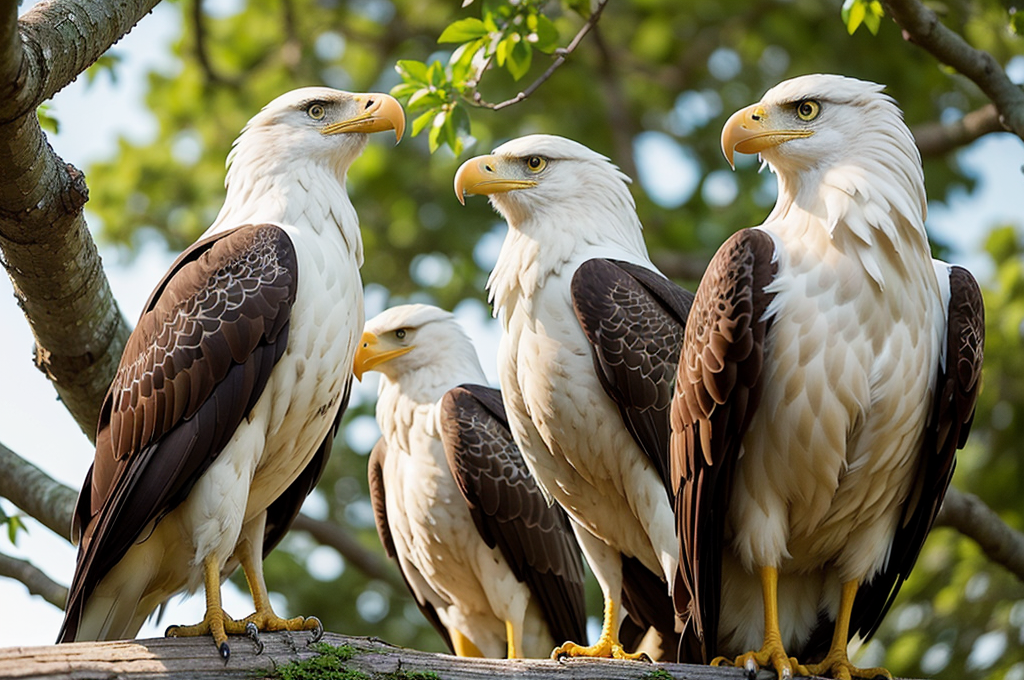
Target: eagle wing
194,366
634,319
508,508
716,394
378,499
952,412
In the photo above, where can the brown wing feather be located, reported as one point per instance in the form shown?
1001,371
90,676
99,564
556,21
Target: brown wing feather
634,319
378,499
194,366
956,393
508,508
717,391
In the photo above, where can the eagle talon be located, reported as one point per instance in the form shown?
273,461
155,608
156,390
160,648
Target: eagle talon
225,651
254,634
318,630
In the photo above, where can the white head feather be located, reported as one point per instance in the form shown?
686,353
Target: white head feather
579,206
859,171
442,357
283,169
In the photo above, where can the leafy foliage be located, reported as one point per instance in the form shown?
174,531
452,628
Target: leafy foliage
650,88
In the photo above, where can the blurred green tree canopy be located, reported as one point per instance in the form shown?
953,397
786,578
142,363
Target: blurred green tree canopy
649,86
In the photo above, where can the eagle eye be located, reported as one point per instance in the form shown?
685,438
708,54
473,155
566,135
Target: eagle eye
808,109
316,111
400,333
536,163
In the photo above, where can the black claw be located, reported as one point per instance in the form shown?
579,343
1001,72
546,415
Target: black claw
254,634
318,631
561,657
225,651
168,633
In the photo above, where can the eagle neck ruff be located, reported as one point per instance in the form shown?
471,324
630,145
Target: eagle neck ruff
306,193
541,241
870,203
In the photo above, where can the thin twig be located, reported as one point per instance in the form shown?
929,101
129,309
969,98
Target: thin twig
34,579
561,55
202,56
922,26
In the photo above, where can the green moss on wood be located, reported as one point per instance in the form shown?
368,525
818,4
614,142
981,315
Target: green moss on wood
330,665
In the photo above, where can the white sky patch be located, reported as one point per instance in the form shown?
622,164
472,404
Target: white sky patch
669,172
324,563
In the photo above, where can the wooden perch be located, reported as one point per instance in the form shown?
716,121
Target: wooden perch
371,659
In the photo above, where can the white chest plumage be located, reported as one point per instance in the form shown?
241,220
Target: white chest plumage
570,431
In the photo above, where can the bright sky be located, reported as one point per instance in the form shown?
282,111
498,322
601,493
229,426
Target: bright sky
35,425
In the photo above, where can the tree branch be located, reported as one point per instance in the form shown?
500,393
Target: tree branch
969,515
196,659
366,561
937,139
213,77
35,492
921,26
561,55
35,580
45,244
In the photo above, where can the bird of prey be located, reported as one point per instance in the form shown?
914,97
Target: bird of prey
490,563
221,415
829,373
587,361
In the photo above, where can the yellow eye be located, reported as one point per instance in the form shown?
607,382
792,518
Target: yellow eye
808,109
536,163
400,333
315,111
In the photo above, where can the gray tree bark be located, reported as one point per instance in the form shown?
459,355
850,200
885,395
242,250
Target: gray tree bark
197,659
45,244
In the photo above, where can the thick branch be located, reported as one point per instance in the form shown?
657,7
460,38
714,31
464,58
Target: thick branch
937,139
35,492
45,244
969,515
196,659
561,55
366,561
922,26
35,580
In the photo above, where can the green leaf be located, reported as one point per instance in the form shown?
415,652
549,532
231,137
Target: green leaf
422,120
451,137
436,75
413,71
436,130
424,97
106,63
463,30
14,524
49,123
404,90
547,35
873,18
853,14
501,53
519,59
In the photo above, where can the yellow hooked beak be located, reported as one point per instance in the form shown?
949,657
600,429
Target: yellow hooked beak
750,130
486,175
377,113
372,353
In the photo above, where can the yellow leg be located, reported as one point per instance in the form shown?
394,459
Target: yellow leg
772,652
836,663
607,646
215,622
464,646
264,617
510,640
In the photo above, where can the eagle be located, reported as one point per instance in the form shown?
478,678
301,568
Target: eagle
829,373
586,365
494,568
221,415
